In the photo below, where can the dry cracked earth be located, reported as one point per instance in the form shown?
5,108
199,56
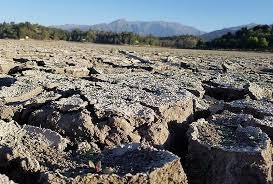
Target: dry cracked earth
84,113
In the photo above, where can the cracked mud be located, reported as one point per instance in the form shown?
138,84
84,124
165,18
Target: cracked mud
138,115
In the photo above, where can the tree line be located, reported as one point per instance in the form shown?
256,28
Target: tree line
33,31
257,38
36,31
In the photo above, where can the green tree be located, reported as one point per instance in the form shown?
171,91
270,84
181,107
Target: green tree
77,35
252,42
91,36
263,43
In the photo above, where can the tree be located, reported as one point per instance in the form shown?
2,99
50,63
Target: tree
252,42
263,43
187,42
77,35
91,36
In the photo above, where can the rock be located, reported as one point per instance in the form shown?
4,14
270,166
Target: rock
266,124
154,83
21,148
112,114
42,98
207,106
6,112
150,166
259,109
132,101
53,139
158,134
20,91
24,145
50,138
73,103
77,72
76,124
5,180
140,108
225,87
228,153
6,66
258,93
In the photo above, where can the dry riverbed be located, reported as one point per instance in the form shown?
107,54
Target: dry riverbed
87,113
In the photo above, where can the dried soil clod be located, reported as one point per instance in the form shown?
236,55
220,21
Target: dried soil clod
228,153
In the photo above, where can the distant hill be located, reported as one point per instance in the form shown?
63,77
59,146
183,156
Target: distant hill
155,28
259,37
218,33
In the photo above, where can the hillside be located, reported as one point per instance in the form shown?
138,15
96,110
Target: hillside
259,37
218,33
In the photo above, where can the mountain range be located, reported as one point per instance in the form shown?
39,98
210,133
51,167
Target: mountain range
155,28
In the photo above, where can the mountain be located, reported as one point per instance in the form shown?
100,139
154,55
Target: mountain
155,28
218,33
70,27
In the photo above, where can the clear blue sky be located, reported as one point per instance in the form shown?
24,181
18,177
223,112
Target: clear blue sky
206,15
